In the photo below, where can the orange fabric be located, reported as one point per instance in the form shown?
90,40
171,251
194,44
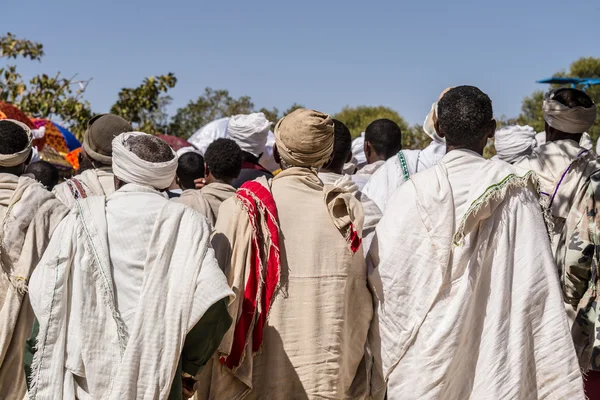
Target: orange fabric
73,158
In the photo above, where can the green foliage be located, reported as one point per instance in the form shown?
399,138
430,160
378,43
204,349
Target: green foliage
144,106
52,97
531,109
213,104
292,108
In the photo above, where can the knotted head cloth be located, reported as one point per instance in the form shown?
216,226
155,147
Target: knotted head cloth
249,132
128,167
12,160
429,124
304,138
574,120
101,131
514,142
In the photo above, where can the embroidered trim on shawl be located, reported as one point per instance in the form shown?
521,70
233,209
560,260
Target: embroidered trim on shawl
263,279
404,166
76,188
496,191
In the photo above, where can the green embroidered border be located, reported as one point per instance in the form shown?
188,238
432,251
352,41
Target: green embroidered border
403,165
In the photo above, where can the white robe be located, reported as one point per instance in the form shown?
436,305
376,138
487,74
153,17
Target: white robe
391,175
470,304
122,278
363,175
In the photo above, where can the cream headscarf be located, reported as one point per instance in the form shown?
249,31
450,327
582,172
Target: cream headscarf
429,124
129,168
12,160
574,120
304,138
513,142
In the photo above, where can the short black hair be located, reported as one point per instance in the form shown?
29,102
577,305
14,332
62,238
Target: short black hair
44,172
572,98
385,137
13,138
189,168
342,145
224,159
464,113
150,148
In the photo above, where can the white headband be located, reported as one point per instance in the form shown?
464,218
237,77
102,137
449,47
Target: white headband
12,160
129,168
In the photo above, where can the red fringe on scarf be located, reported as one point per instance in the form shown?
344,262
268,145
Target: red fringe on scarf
263,279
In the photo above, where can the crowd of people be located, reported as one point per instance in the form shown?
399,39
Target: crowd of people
393,274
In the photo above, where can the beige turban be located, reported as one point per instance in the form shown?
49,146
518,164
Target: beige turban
129,168
574,120
12,160
304,138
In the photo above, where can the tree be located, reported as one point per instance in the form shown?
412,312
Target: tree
52,97
531,109
144,106
211,105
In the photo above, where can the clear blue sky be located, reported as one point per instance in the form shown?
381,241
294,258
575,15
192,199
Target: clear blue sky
323,54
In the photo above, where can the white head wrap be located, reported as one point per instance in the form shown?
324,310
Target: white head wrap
249,132
514,142
429,124
574,120
12,160
210,132
129,168
358,151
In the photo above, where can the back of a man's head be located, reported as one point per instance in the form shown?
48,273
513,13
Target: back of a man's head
572,98
13,138
190,167
150,148
384,137
223,159
44,172
342,146
464,117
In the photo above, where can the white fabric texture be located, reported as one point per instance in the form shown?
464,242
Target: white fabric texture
267,160
514,142
87,347
210,132
358,151
249,132
12,160
481,319
429,125
129,168
390,176
363,175
95,182
569,120
585,142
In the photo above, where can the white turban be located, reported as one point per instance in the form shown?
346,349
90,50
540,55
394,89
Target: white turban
249,132
514,142
574,120
12,160
129,168
210,132
358,151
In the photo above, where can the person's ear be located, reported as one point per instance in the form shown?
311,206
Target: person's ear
177,181
276,155
349,158
367,149
206,170
493,125
436,126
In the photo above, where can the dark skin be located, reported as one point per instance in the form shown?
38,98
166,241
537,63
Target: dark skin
339,170
553,135
119,184
371,155
208,179
477,147
17,170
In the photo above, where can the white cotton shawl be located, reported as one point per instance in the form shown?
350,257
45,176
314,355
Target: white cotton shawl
392,174
94,182
514,142
483,319
210,132
84,348
129,168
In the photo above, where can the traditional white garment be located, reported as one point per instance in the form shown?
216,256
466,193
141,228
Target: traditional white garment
514,142
363,175
399,169
267,159
470,304
372,212
585,142
93,182
210,132
28,215
358,151
249,132
122,278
